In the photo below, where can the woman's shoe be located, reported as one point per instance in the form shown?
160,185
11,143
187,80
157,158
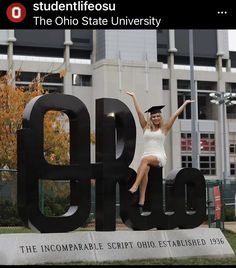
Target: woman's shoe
143,211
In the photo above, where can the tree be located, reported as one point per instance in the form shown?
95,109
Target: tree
12,103
56,137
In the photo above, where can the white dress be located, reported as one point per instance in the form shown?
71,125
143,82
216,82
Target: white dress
154,145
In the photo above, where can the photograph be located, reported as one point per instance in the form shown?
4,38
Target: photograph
117,135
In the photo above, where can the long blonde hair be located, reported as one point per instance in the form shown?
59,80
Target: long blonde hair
150,124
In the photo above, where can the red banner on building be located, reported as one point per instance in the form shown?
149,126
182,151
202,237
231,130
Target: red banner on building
216,190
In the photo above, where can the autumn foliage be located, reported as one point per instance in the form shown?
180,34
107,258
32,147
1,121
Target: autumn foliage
12,103
56,135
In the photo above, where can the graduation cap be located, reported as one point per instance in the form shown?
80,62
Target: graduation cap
155,109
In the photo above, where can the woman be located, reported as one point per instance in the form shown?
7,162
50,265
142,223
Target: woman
155,131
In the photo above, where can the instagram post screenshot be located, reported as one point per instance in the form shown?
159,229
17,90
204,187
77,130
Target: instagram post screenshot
117,133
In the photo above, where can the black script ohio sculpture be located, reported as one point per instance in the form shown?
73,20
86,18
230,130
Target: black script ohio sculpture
184,191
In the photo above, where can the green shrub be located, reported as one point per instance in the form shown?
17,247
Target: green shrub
230,214
54,205
8,214
57,206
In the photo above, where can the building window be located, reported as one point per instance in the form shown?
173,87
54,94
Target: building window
82,80
207,142
42,77
232,143
232,169
165,84
232,148
230,87
207,85
207,158
183,84
201,85
25,76
51,78
208,165
186,142
186,161
232,153
231,110
52,82
182,97
205,110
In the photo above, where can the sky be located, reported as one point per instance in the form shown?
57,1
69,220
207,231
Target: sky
232,40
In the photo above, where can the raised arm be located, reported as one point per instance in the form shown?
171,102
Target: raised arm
172,119
141,117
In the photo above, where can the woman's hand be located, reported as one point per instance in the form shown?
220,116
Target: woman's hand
188,101
132,94
140,114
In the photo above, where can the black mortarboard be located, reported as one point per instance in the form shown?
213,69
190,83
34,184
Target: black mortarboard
155,109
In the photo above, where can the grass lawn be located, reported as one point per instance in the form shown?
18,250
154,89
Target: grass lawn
231,237
14,230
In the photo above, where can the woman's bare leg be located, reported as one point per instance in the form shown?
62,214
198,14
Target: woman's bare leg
143,168
143,187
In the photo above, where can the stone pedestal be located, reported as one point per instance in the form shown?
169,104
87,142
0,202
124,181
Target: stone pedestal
37,248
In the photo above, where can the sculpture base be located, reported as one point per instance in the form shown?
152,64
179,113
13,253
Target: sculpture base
22,249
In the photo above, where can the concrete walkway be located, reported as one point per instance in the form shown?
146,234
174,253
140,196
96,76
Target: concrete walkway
230,225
